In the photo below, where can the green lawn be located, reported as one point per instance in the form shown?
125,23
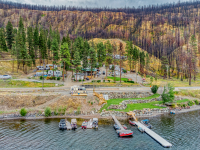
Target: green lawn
118,78
117,101
182,101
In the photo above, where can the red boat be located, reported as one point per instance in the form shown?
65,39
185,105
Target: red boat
84,125
126,133
132,123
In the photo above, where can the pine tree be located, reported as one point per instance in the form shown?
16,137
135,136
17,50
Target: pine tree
164,62
68,40
129,53
65,56
93,61
142,62
85,54
31,44
55,50
76,62
109,56
63,40
42,46
3,45
101,54
9,34
22,30
36,41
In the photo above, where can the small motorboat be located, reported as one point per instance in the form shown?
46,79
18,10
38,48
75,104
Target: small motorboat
95,123
84,125
146,123
116,127
125,133
62,124
132,123
172,112
74,124
140,129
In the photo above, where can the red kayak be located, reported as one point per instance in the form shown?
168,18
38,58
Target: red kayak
125,134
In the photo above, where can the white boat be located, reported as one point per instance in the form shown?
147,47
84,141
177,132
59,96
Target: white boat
95,123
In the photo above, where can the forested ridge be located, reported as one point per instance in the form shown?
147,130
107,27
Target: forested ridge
170,32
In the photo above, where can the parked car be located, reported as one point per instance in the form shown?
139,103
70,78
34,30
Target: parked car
87,79
5,77
100,72
104,73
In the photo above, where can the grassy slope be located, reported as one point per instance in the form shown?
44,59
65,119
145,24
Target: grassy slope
117,101
118,79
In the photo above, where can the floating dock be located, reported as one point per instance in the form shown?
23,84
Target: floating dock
69,127
89,125
122,131
155,136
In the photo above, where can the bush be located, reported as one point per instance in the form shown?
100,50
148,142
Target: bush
41,77
130,81
154,89
124,71
196,102
184,105
83,79
125,81
168,94
23,112
47,112
109,81
173,105
148,76
91,103
98,81
190,103
79,80
151,79
104,81
58,78
93,80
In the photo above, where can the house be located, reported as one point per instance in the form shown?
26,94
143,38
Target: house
57,73
40,73
88,72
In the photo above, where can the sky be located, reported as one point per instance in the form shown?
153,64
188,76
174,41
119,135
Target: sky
98,3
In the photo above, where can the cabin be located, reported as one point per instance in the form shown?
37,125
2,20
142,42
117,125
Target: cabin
88,72
57,73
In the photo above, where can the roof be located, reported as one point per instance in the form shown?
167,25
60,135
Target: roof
89,69
145,120
73,120
95,119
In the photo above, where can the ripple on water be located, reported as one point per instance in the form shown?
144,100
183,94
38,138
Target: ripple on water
182,130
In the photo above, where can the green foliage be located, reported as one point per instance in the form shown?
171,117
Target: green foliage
154,89
164,62
91,103
58,78
9,34
184,105
109,81
3,45
65,54
101,53
196,102
80,80
104,81
168,94
190,103
47,112
23,112
98,81
151,79
124,71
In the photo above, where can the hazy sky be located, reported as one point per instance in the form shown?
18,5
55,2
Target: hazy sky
98,3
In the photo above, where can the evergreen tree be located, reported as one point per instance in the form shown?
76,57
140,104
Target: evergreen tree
93,61
3,45
76,62
101,54
42,45
9,34
142,62
36,41
65,56
49,47
63,40
22,30
31,44
109,56
129,52
68,40
164,63
55,50
85,54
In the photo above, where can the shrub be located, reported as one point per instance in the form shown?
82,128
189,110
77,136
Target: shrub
173,105
148,76
196,102
48,78
41,77
91,103
98,81
58,78
47,112
130,81
124,71
125,81
109,81
55,112
151,79
23,112
168,94
93,80
79,80
83,79
154,89
104,81
184,105
190,103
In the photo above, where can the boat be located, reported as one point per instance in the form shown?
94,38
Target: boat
146,123
74,124
84,125
140,129
125,133
62,124
95,123
116,127
172,112
132,123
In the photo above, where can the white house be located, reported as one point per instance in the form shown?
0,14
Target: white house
57,73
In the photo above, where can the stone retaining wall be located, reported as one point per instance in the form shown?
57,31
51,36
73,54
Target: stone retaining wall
136,94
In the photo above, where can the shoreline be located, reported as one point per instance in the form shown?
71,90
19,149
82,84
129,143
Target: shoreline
193,108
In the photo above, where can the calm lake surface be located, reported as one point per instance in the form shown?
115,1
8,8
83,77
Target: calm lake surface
182,130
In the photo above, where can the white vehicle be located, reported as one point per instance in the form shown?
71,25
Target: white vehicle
100,72
5,77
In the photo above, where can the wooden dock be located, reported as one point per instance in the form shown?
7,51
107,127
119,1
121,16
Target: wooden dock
69,127
155,136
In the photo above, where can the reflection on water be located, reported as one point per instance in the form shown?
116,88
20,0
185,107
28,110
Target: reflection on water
182,130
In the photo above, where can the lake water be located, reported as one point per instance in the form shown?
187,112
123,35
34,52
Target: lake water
182,130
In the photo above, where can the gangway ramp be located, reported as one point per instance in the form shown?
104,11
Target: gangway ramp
155,136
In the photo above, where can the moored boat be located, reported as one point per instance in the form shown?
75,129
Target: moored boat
132,123
84,125
62,124
172,112
146,123
116,127
140,129
95,123
74,124
125,133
